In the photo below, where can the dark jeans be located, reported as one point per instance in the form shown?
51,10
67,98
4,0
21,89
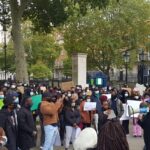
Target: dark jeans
85,125
125,124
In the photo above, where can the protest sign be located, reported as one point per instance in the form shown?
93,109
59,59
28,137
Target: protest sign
20,89
134,108
36,100
125,115
140,88
67,85
89,106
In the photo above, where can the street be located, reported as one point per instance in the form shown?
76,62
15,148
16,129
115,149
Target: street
134,143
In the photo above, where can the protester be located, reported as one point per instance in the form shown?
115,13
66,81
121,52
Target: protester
112,137
50,109
72,121
8,121
116,103
137,131
86,116
125,119
26,127
144,122
3,139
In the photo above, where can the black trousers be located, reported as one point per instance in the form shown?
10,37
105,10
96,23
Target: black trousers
125,124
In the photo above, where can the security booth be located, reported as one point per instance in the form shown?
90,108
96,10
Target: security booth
97,78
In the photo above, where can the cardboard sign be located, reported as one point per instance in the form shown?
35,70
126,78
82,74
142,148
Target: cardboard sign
128,89
36,100
67,85
89,106
20,89
140,88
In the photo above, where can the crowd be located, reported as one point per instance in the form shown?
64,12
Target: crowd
64,115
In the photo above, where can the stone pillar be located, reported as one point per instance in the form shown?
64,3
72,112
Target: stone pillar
79,69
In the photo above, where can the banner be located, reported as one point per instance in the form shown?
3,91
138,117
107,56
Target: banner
36,100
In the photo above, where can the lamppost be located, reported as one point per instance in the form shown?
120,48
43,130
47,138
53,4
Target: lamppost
126,56
142,59
4,20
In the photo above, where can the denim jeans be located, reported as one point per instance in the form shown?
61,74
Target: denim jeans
51,133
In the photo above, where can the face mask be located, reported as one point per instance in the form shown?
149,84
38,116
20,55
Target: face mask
16,101
136,97
88,100
126,94
13,86
31,93
69,94
96,92
1,96
73,104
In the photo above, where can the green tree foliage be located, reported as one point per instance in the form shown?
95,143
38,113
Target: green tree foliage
104,34
40,71
67,67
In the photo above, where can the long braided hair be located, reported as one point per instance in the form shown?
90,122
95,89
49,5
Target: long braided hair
112,137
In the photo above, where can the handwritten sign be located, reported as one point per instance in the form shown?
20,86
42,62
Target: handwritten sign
89,106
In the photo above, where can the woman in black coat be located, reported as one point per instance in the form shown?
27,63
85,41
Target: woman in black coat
144,122
26,126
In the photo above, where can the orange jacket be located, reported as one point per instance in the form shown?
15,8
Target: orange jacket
50,112
86,116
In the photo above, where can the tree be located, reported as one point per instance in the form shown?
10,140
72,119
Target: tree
20,56
104,34
40,71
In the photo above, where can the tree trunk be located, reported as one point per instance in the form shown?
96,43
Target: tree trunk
20,58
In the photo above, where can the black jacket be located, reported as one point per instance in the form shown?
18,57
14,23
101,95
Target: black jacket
72,117
26,127
10,128
145,124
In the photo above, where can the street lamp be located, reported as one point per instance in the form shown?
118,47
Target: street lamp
126,56
142,59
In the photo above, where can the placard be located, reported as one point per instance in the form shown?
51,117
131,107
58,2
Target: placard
67,85
89,106
36,100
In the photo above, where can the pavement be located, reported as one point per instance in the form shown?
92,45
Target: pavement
135,143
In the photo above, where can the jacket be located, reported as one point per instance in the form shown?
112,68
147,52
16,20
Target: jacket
145,124
26,127
86,116
10,128
118,108
50,111
72,117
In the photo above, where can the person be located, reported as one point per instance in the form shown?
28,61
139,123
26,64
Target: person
72,121
112,137
50,109
144,122
3,139
85,135
8,121
86,116
137,131
26,126
95,98
107,114
125,119
116,103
